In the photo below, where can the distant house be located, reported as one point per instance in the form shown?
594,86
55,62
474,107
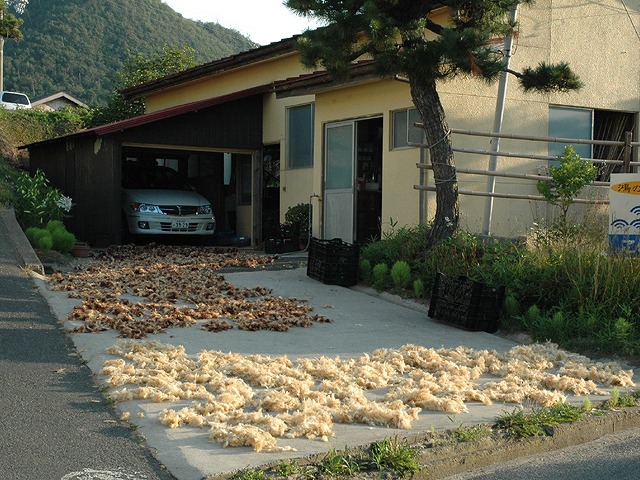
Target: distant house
257,133
57,101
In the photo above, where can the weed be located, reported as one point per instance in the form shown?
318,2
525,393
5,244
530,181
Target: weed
518,425
249,474
560,412
614,398
339,463
470,433
537,422
628,400
393,455
287,468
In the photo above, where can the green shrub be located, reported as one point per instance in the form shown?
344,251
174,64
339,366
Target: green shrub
54,237
39,238
418,288
298,216
405,243
54,225
401,274
380,274
563,284
62,240
364,268
37,202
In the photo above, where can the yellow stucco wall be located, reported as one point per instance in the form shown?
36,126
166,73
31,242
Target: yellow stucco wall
296,185
400,201
261,73
610,69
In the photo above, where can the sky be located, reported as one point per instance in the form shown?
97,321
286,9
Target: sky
263,21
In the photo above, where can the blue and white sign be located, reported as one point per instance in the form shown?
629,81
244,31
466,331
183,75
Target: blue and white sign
624,213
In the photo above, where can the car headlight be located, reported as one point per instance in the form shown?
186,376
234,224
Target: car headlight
145,208
205,210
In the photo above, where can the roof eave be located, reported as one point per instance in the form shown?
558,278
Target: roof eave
266,52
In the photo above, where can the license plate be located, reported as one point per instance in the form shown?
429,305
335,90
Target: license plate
179,225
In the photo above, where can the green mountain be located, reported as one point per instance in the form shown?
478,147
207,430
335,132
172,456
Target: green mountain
77,46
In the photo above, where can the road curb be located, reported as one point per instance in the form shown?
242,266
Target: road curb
29,259
442,457
442,462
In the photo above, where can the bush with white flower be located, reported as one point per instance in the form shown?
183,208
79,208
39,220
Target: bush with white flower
37,202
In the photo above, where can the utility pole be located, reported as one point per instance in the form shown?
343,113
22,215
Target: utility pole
1,53
497,125
9,28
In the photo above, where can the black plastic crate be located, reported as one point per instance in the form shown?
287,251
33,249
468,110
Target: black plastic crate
465,303
333,262
287,230
281,245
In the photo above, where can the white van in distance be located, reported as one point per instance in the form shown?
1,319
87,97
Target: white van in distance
14,100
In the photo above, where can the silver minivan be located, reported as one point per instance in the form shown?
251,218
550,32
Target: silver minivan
156,201
14,100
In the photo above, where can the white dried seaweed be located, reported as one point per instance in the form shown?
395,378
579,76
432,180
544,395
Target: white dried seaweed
253,400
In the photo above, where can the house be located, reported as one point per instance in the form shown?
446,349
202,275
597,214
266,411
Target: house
257,133
58,101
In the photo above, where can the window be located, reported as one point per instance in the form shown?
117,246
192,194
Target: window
569,122
300,123
589,124
404,130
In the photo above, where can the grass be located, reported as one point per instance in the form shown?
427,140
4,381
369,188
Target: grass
388,455
393,455
340,463
540,422
250,474
470,433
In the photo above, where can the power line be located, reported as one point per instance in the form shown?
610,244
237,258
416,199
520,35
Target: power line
633,25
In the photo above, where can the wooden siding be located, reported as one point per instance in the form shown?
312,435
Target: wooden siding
231,125
88,167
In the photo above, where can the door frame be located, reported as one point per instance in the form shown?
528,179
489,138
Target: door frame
352,198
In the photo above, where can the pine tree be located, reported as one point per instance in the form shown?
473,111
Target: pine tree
402,39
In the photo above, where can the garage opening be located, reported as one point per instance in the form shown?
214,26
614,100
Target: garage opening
223,178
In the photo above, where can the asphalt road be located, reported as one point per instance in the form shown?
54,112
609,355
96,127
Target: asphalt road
54,421
612,456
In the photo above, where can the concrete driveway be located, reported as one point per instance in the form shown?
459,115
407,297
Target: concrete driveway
362,321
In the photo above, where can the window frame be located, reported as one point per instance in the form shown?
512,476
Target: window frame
556,148
407,129
289,145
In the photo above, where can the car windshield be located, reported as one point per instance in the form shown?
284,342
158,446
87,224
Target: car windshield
158,178
18,98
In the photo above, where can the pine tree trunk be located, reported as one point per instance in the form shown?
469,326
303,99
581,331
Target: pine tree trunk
427,101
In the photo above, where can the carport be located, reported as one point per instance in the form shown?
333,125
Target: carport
214,143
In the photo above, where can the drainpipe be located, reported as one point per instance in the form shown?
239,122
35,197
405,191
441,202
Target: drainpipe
422,214
497,124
